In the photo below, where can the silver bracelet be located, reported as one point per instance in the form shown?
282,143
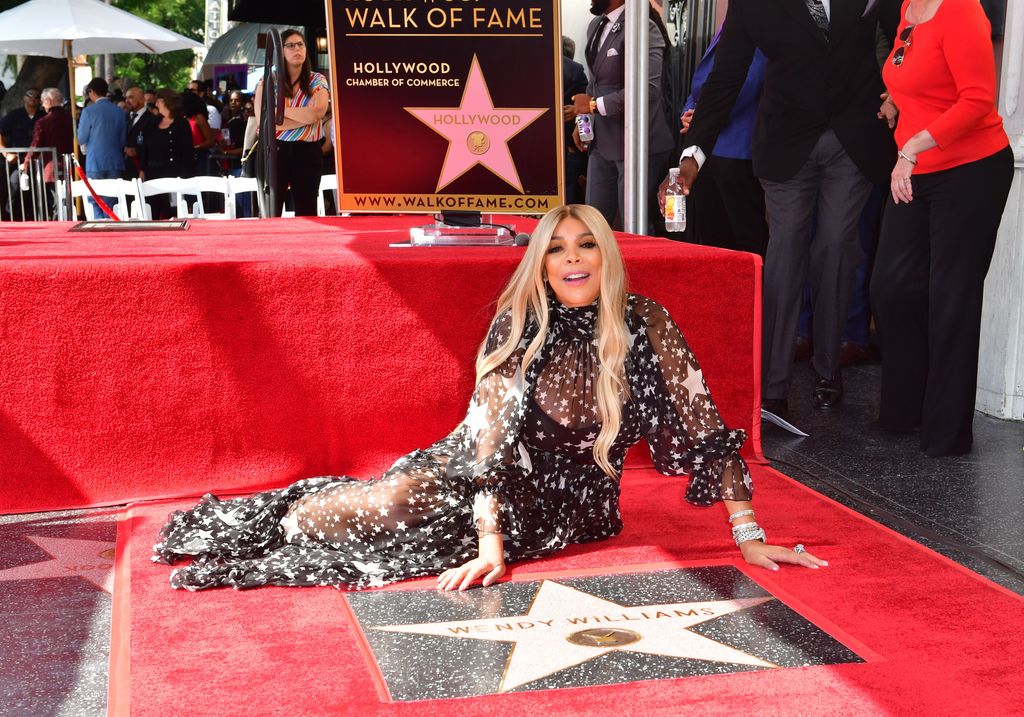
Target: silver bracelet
748,531
740,514
903,155
488,532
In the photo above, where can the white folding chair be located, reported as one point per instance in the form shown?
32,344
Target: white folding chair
328,183
177,187
237,186
119,189
215,185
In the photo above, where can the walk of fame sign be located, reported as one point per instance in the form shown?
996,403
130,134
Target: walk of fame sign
445,107
583,631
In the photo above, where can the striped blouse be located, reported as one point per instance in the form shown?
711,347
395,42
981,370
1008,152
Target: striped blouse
309,132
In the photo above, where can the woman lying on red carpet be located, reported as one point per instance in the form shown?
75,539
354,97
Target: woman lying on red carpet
573,372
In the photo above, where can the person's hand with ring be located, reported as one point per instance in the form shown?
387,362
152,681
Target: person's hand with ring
769,556
900,184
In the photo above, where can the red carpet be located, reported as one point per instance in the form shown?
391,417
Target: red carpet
939,639
241,355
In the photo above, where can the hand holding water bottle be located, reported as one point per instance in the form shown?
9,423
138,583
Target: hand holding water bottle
674,204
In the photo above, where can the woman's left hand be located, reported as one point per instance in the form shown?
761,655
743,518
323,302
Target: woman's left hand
900,184
769,556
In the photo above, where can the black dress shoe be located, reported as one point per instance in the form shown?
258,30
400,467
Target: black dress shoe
828,392
778,406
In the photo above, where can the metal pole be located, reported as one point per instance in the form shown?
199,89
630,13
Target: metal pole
271,115
108,60
637,125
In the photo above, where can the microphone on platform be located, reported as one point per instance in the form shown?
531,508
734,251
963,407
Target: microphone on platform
522,239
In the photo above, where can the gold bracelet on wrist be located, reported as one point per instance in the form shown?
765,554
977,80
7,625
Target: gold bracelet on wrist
488,532
905,156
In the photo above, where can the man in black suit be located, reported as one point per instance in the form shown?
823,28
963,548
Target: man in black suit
606,99
818,142
138,119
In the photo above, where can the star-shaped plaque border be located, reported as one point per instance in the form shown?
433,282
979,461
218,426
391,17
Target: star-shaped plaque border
471,119
583,630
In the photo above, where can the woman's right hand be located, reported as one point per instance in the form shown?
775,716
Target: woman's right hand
888,111
466,574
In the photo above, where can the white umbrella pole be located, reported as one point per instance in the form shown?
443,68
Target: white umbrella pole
74,126
71,92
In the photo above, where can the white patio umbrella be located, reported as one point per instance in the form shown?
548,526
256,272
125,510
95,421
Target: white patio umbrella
44,27
60,28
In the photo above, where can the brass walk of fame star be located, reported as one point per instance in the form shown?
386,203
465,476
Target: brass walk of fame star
477,131
565,627
71,557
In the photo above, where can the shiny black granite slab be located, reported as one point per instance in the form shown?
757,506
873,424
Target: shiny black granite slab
584,631
961,506
55,645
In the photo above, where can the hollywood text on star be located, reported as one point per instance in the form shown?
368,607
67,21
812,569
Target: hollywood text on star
461,15
587,620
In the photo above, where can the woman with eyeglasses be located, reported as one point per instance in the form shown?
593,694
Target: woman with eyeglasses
574,370
299,137
948,189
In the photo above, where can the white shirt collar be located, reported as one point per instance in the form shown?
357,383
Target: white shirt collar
614,15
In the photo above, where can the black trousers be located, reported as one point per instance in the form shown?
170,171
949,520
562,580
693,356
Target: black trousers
298,168
726,208
927,291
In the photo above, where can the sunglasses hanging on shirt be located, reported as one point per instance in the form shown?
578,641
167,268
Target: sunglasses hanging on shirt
901,52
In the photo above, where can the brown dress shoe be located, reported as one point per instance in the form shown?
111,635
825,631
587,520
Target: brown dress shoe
803,349
851,354
778,406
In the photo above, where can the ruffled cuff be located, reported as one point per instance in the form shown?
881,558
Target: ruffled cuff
717,471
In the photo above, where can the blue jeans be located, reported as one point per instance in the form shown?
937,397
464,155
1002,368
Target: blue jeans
103,174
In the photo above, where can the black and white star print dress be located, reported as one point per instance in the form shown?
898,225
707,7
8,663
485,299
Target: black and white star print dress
521,461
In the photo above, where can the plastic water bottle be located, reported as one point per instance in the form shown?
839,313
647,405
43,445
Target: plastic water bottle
585,124
675,203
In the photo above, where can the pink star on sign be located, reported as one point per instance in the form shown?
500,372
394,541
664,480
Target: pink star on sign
477,131
89,559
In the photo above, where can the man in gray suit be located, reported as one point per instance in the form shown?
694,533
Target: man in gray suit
606,99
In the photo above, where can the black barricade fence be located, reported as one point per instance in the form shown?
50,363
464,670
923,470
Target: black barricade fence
28,192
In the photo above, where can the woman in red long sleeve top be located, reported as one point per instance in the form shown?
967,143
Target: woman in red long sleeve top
948,190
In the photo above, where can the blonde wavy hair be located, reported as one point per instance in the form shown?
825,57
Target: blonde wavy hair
526,294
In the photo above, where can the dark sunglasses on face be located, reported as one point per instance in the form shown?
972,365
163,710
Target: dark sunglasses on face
897,57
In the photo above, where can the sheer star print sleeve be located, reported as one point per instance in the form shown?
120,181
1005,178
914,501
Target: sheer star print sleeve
685,433
489,453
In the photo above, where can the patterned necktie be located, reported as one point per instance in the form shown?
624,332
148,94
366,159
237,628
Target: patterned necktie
595,41
817,11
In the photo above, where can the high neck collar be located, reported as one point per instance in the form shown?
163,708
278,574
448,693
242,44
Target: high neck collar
572,323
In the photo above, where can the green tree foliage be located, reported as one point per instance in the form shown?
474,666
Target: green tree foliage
171,69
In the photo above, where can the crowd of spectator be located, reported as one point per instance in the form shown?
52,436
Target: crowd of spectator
130,131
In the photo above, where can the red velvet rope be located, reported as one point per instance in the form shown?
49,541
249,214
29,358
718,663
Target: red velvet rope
99,201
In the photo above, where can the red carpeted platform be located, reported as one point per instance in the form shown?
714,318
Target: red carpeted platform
937,638
242,355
